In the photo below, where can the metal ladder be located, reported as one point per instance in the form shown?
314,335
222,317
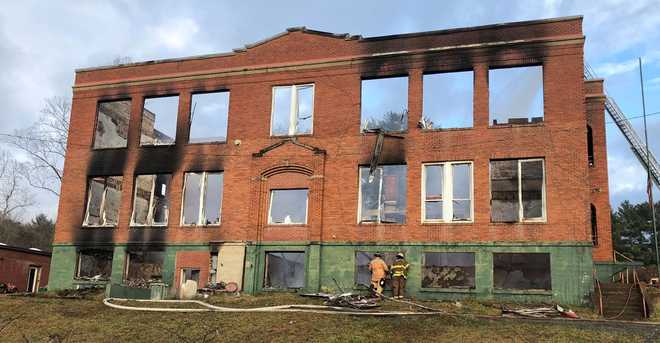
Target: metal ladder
636,144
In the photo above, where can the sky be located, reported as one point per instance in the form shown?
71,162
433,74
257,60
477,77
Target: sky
42,43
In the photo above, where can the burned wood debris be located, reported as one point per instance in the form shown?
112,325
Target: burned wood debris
539,312
348,300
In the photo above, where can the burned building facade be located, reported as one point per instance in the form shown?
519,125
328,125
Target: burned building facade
478,152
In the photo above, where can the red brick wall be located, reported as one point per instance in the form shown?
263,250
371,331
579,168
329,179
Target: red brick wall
15,266
333,176
193,259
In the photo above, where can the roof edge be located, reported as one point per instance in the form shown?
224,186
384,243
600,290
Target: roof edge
345,36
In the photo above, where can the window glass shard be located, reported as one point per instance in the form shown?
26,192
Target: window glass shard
112,119
208,117
160,200
448,100
384,104
159,117
112,200
448,270
96,188
285,270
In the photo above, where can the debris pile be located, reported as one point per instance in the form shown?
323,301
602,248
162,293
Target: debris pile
539,312
348,300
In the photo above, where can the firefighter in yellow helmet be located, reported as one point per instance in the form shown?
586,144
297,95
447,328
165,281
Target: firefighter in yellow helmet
399,272
379,270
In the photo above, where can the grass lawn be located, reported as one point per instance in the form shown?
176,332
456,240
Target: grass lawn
43,319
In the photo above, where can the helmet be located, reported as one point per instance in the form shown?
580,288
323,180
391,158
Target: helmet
399,255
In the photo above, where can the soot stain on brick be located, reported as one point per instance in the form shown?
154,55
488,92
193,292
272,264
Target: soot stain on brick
94,236
158,159
107,162
147,236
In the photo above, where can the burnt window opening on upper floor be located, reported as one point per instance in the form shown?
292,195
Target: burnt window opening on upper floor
159,117
384,104
515,95
208,117
529,271
448,270
202,198
517,190
151,200
590,146
103,201
447,100
112,119
94,264
292,110
382,197
594,225
288,206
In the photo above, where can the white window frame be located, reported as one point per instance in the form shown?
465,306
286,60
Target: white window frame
201,215
270,206
151,202
447,193
521,218
293,109
102,205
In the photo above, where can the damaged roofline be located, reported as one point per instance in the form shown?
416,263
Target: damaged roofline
345,36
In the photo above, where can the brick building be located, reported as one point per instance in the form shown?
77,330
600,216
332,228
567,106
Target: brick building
27,269
478,152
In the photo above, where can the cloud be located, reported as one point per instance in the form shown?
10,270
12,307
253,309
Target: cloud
614,68
176,34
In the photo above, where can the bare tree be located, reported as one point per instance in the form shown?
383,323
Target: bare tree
44,143
14,197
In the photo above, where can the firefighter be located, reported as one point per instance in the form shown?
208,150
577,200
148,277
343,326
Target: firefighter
399,272
379,270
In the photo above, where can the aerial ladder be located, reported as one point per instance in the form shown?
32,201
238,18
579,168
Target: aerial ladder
639,149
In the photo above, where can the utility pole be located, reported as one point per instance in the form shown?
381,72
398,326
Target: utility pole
649,183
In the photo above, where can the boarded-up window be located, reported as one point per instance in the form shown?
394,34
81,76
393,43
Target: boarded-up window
362,272
103,200
151,199
144,266
94,264
384,104
522,271
288,206
516,95
383,198
448,270
208,117
284,270
447,100
447,190
293,110
112,119
202,199
517,190
159,120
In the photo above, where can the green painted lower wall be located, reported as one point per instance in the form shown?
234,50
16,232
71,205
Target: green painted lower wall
571,268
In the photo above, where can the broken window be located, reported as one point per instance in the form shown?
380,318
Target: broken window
151,200
112,119
190,274
517,190
144,266
362,272
208,117
590,146
522,271
447,100
447,190
288,206
202,198
103,201
293,110
94,264
448,270
384,104
159,120
284,270
383,197
594,226
516,95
